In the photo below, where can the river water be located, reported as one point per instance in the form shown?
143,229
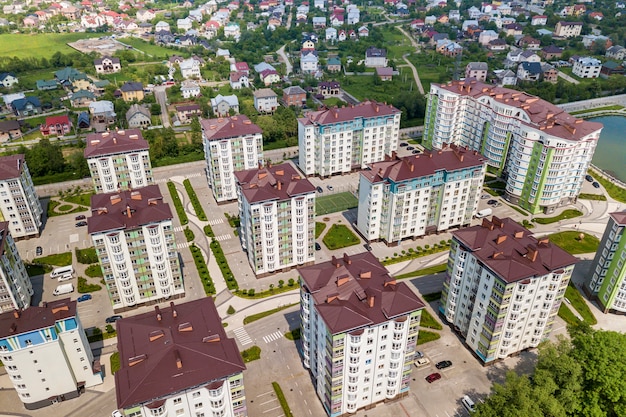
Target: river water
610,153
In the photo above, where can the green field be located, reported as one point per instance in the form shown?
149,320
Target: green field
150,49
42,45
334,203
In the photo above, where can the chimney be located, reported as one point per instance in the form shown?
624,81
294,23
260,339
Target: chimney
370,301
174,312
128,212
347,259
16,314
115,141
279,185
179,362
158,312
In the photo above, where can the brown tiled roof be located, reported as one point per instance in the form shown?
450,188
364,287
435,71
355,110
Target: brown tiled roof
11,166
9,125
228,127
115,142
127,209
543,115
182,350
188,107
450,158
366,109
511,251
272,183
619,217
344,288
34,318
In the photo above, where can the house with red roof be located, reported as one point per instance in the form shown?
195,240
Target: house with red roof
56,126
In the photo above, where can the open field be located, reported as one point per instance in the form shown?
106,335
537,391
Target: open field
42,45
365,87
150,49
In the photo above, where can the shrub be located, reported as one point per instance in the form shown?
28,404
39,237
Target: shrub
86,256
189,234
197,207
251,292
291,282
180,210
203,272
281,283
84,287
109,328
251,354
231,282
231,310
208,231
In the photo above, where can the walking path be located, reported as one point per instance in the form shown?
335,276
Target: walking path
416,76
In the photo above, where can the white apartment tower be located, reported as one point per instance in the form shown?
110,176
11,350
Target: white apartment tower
541,151
230,144
277,212
359,330
177,361
46,354
134,239
407,197
15,286
340,140
118,160
19,204
503,287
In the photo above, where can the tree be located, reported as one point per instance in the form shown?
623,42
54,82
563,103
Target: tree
45,158
155,109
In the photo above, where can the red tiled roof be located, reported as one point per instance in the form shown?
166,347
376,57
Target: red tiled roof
111,211
366,109
343,288
228,127
115,142
162,357
543,115
11,166
34,318
53,120
513,258
272,183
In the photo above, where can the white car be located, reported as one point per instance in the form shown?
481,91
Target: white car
421,362
117,413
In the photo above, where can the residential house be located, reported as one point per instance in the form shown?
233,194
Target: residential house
353,15
364,32
539,20
222,106
336,19
294,96
232,30
132,91
43,85
487,36
82,98
7,80
107,65
240,67
26,106
9,130
587,67
611,67
333,65
529,71
549,73
189,88
567,29
477,70
162,26
239,80
190,68
230,144
375,57
164,37
329,89
309,62
551,52
265,100
188,112
529,42
184,24
73,80
512,29
590,41
616,52
56,126
138,117
145,15
497,45
385,73
269,77
102,115
331,34
417,24
505,77
21,204
118,160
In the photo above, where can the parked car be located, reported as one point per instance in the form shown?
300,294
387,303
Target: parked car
492,202
433,377
38,251
410,148
84,297
403,144
81,224
421,362
418,354
113,319
415,152
320,189
595,184
80,217
330,187
317,246
484,196
443,364
117,413
589,178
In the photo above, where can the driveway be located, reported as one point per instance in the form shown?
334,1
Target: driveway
568,78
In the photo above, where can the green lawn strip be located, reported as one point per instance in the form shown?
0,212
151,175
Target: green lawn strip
180,159
604,108
180,210
115,362
220,258
251,354
570,242
432,296
197,207
59,259
578,302
208,231
319,228
282,400
293,334
35,269
429,321
567,214
252,294
203,271
596,197
519,210
340,236
566,314
83,199
418,252
616,192
86,256
435,269
85,287
98,336
425,336
94,271
263,314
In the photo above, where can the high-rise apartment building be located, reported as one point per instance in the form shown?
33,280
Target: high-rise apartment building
359,330
340,140
15,286
177,361
407,197
541,151
277,212
118,160
46,354
230,144
134,238
606,279
19,204
503,287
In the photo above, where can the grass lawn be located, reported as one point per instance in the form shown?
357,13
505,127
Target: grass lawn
567,214
435,269
425,336
578,302
429,321
59,259
42,45
82,199
251,354
340,236
566,314
597,197
616,192
570,242
155,50
334,101
368,87
263,314
54,205
334,203
319,228
34,270
115,362
604,108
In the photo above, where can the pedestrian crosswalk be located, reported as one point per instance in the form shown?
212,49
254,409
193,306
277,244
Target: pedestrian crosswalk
216,221
223,237
272,337
181,245
196,175
243,336
179,228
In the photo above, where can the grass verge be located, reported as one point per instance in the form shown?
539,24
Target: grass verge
425,336
86,256
59,259
180,210
203,271
115,362
294,334
435,269
339,236
251,354
195,202
85,287
567,214
578,302
570,241
596,197
251,294
418,252
35,269
616,192
319,228
566,314
282,400
429,321
231,282
263,314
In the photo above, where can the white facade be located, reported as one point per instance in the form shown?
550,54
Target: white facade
587,67
19,204
336,141
265,100
190,68
189,88
15,286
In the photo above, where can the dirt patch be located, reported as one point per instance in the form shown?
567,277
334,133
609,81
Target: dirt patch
100,46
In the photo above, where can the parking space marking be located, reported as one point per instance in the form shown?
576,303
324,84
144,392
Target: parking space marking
196,175
265,393
243,336
271,409
272,337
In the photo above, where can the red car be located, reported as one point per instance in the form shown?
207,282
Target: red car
433,377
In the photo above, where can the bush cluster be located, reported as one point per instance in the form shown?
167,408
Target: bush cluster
189,234
84,287
195,202
231,282
180,210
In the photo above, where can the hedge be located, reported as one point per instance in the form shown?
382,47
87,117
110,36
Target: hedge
231,282
203,271
180,210
197,207
282,400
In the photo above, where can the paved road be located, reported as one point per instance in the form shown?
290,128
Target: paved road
285,59
568,78
161,97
